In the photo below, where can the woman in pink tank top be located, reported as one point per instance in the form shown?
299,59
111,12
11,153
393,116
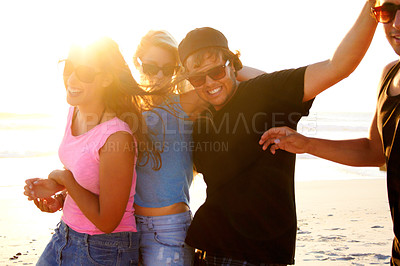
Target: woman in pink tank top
99,152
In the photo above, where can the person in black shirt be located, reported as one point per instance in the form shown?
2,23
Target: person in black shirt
249,215
383,143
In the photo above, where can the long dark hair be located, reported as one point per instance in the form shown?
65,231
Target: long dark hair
124,96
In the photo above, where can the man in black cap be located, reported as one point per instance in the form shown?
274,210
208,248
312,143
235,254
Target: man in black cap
249,215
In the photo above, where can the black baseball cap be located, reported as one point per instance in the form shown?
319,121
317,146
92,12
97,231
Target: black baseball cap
200,38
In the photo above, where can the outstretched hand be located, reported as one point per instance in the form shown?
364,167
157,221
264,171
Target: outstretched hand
41,188
284,138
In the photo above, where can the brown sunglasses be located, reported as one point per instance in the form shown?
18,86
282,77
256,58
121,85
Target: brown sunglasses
385,13
215,73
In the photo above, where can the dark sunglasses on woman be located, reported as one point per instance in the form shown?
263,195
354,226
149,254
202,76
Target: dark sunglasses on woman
83,73
215,73
385,13
152,70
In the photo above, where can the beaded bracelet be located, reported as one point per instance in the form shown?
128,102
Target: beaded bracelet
60,197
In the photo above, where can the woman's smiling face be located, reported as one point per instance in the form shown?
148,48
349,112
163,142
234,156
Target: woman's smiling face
84,81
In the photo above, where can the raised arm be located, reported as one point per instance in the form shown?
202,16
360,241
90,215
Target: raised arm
354,152
348,55
105,210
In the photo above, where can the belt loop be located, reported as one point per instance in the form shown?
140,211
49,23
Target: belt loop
66,229
86,239
130,239
150,223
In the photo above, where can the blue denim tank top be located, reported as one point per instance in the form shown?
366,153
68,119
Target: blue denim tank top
171,131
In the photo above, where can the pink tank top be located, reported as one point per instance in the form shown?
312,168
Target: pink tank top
80,155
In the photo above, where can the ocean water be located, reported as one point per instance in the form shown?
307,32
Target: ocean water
335,126
28,146
32,135
29,143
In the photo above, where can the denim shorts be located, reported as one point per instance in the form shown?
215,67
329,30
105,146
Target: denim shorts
68,247
162,239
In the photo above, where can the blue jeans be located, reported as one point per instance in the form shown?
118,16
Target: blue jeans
162,239
68,247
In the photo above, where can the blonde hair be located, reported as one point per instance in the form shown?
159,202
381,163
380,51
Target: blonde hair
159,38
164,40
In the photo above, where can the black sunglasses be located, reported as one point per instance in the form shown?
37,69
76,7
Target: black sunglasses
216,73
152,70
385,13
83,73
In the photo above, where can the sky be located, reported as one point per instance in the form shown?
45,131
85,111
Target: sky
271,35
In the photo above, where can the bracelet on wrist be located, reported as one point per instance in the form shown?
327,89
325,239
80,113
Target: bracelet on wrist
60,197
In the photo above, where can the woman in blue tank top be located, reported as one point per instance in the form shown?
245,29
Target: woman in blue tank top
162,197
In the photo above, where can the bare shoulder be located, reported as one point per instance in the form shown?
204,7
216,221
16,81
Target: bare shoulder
385,71
387,68
120,136
120,141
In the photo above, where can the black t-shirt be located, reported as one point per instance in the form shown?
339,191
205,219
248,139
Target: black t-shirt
249,213
388,110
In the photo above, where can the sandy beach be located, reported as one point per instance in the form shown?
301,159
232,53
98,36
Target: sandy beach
25,231
343,222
